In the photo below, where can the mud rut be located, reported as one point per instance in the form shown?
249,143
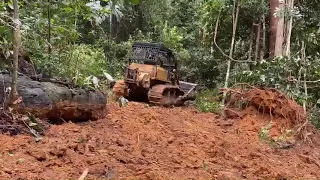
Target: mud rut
142,142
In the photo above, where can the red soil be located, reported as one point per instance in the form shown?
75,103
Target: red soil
140,142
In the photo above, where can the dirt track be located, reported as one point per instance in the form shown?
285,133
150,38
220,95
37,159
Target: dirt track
158,143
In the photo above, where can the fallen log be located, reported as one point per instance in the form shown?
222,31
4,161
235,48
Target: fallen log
54,101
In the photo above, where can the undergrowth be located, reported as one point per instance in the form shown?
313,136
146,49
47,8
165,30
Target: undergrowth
264,134
208,101
282,141
314,116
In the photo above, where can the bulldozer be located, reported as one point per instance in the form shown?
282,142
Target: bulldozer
151,76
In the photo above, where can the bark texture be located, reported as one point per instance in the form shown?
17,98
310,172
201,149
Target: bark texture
55,101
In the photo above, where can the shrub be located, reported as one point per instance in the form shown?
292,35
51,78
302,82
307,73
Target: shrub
207,101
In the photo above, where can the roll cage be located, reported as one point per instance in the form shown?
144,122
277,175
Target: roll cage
154,54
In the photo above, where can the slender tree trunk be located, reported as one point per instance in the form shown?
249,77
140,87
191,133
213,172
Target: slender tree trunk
288,30
49,35
49,27
250,47
303,58
236,8
113,6
263,50
251,43
16,47
110,26
278,51
257,41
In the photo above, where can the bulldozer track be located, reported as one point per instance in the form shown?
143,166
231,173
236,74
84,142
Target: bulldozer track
119,88
164,94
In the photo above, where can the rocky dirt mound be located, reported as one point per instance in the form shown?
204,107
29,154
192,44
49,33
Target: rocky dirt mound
141,142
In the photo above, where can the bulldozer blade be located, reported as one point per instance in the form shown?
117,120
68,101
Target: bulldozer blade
187,87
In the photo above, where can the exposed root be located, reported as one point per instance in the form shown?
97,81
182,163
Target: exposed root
307,132
272,101
269,101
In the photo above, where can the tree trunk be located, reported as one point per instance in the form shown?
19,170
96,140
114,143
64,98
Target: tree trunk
251,42
263,50
113,6
49,35
235,16
288,30
49,28
256,52
55,101
16,47
250,47
303,58
110,24
278,50
273,26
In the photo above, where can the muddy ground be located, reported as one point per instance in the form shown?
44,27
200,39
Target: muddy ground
142,142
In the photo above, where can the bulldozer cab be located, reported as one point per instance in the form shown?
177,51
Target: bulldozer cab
153,54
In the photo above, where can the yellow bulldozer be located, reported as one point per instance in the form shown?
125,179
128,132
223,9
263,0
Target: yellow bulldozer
151,76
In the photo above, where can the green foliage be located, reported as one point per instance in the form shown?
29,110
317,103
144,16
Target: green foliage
207,101
116,56
260,8
209,12
264,134
314,114
281,73
287,75
282,141
201,68
77,63
88,38
172,38
5,31
82,61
